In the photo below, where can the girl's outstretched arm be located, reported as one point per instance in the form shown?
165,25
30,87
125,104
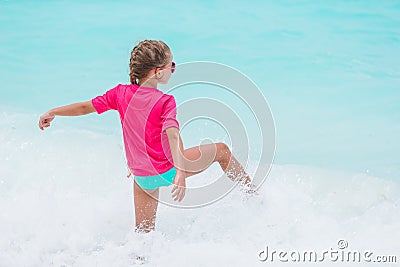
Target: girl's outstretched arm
76,109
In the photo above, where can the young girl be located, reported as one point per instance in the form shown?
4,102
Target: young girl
148,117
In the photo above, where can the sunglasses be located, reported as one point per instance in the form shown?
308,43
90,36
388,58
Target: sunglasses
173,67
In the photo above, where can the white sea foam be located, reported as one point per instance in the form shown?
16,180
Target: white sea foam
65,201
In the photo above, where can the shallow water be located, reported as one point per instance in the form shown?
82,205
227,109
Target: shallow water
65,201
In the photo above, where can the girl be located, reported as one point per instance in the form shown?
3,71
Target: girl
148,118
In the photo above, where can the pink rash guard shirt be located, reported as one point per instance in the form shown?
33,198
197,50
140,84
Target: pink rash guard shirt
145,114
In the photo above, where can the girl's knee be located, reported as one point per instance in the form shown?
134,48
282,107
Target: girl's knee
223,147
223,150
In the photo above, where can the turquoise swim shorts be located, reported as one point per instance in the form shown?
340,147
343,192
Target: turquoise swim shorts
155,181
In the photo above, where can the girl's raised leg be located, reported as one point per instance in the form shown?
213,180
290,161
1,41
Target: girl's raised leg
199,158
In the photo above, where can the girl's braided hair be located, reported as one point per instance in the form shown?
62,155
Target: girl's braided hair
146,55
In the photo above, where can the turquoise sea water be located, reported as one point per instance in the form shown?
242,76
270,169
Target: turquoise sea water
330,71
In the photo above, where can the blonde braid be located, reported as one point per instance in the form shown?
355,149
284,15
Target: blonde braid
145,56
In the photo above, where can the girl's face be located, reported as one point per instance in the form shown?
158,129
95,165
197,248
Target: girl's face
165,72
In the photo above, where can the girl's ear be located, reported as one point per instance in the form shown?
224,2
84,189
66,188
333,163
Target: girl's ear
158,73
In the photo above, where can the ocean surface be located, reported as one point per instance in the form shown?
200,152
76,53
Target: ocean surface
329,70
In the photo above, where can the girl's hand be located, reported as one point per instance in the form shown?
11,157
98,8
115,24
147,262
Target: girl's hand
178,192
45,120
